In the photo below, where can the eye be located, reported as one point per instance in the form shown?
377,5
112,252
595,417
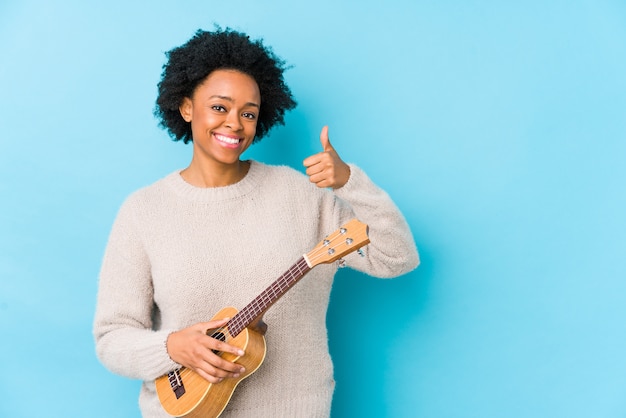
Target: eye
218,108
249,115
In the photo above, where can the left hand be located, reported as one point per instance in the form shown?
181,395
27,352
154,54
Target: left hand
326,169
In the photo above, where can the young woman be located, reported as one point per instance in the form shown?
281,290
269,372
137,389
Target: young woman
218,232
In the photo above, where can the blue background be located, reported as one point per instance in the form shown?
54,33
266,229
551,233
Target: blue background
498,128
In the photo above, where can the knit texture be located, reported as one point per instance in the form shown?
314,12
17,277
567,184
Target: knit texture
177,254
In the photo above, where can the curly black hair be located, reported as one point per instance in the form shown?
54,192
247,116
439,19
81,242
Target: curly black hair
188,65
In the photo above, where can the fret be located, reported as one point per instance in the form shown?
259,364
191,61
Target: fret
268,297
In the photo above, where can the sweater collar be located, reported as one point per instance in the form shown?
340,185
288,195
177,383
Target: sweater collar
214,194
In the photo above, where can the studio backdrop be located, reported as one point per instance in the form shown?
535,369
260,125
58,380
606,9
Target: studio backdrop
498,128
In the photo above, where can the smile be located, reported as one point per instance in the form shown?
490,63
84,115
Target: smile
228,139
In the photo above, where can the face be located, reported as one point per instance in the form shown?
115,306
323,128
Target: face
223,112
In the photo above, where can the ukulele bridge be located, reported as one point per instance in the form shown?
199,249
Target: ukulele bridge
176,383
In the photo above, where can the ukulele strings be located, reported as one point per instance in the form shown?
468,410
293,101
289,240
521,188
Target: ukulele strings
320,253
223,330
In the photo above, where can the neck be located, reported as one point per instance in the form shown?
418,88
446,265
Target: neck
218,175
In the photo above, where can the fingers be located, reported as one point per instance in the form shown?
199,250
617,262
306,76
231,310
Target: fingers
312,160
193,348
214,323
322,174
212,378
326,147
214,343
219,346
215,369
326,169
325,140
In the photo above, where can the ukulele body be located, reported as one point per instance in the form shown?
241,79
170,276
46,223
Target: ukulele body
183,393
202,399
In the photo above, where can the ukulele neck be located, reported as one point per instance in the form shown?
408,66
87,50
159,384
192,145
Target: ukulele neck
268,297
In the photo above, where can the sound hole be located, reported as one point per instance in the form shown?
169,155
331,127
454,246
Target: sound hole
218,335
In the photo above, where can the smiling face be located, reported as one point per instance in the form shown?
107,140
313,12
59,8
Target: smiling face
223,112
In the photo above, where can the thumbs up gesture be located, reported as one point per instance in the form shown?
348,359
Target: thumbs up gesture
326,169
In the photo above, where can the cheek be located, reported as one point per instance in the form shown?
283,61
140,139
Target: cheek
251,129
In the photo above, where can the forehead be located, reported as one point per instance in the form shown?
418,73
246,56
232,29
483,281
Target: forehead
230,83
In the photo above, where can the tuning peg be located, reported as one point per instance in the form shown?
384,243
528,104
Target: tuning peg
342,263
360,252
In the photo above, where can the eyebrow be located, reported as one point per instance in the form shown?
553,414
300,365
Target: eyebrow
230,99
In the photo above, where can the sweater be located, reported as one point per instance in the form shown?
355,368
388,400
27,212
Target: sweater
177,254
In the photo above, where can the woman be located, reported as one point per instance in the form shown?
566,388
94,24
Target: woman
218,232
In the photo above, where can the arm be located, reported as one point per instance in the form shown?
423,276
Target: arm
126,341
392,250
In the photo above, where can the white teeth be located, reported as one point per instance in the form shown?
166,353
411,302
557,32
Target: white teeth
228,140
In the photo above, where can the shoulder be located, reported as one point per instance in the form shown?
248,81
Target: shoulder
141,200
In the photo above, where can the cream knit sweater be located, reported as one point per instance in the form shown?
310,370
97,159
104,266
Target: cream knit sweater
177,254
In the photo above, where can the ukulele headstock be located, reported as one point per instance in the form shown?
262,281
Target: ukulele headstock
350,237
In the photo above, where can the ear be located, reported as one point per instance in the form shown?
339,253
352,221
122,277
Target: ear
185,109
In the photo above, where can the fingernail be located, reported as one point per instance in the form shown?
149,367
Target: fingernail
240,353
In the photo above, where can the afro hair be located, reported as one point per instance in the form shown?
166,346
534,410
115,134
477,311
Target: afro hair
188,65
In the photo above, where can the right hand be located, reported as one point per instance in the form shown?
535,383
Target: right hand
191,347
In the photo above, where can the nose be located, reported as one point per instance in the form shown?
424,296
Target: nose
233,121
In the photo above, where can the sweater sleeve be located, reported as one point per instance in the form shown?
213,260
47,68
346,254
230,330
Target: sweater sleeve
126,342
392,250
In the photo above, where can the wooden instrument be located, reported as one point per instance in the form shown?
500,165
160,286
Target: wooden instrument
183,393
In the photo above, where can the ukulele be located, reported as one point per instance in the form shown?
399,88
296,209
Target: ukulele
183,393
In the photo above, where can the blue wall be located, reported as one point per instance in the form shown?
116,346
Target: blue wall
499,130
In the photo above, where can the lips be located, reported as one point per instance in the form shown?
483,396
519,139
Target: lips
231,141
